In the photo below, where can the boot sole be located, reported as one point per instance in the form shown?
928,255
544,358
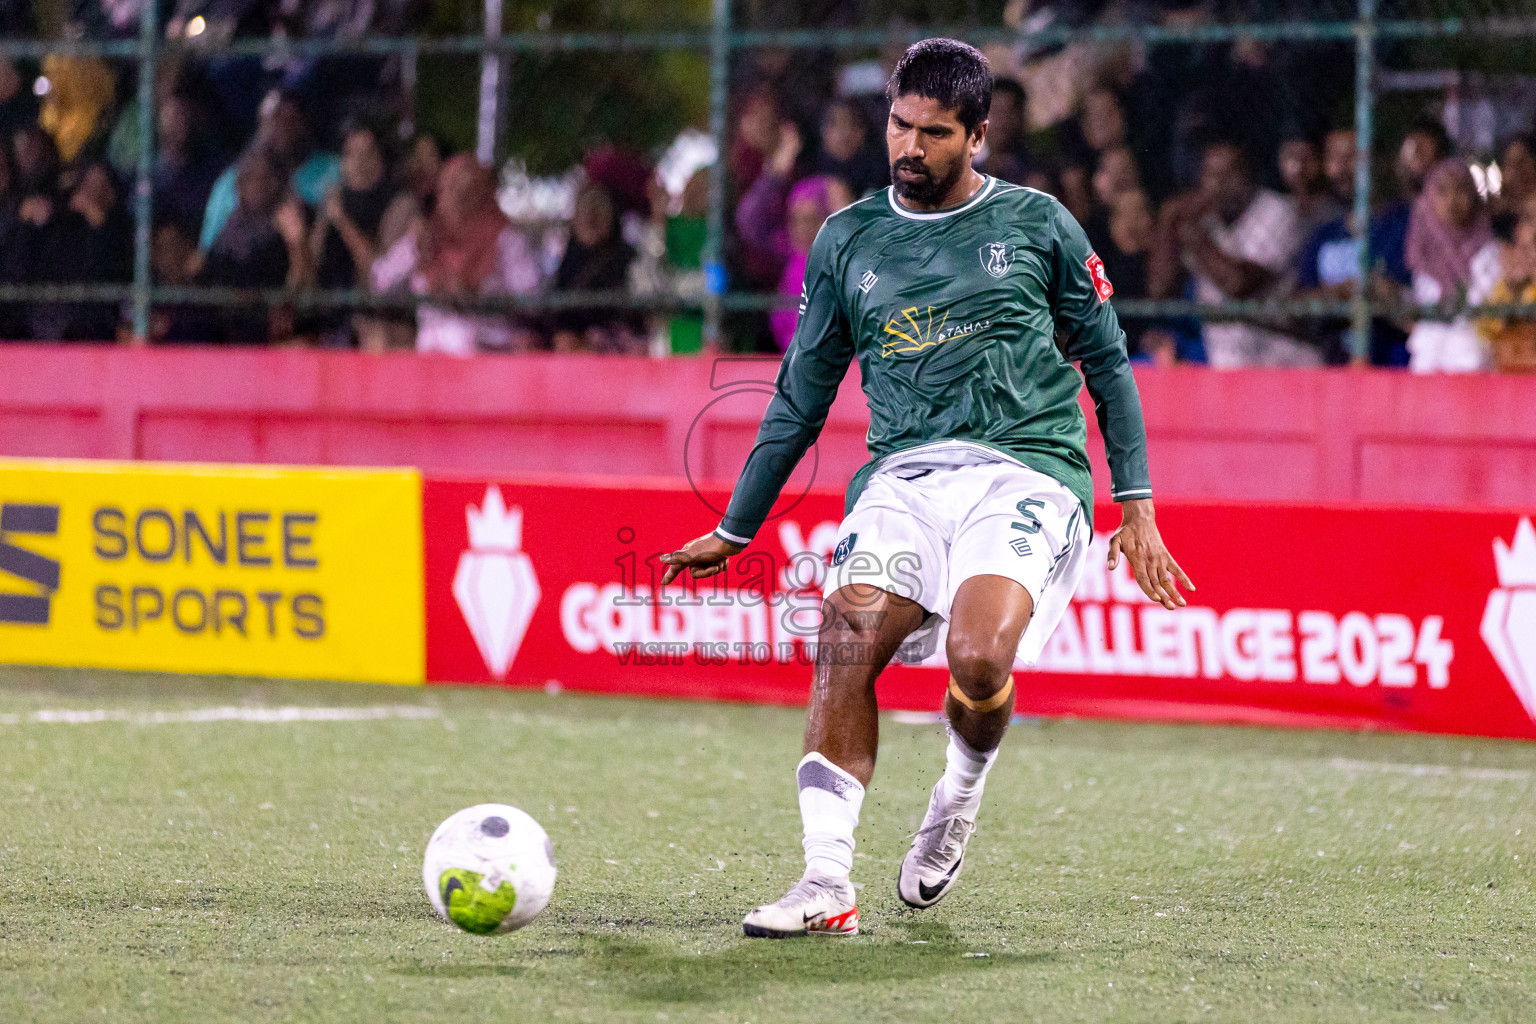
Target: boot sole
757,931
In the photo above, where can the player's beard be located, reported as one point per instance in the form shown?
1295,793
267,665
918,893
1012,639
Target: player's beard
928,189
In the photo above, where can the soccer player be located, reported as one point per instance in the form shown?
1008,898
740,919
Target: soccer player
965,300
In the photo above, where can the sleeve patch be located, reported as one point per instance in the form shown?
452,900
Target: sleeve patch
1101,283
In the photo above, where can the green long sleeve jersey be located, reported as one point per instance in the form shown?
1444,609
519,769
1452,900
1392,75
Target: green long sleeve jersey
965,323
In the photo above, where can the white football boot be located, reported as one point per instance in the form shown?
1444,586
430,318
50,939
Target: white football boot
815,906
930,868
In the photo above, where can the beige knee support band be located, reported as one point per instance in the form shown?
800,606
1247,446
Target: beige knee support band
981,707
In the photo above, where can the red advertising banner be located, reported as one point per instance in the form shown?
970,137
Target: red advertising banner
1342,616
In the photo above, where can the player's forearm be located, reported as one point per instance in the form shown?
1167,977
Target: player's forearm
781,441
806,386
1117,405
802,396
807,383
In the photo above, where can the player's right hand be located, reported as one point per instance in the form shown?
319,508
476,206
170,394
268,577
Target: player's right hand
702,557
1142,545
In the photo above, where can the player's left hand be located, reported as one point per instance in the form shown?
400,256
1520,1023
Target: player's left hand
1141,544
702,557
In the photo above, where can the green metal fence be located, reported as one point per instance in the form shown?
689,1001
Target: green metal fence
1365,23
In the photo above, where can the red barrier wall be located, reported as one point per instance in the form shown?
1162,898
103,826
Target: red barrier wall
1324,615
1374,436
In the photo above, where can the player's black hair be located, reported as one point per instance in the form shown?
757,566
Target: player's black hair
948,71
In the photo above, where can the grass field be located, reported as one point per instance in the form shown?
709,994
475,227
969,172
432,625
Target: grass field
172,869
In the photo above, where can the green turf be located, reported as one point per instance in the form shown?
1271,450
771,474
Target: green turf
258,872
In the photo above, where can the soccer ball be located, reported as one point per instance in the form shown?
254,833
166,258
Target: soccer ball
489,868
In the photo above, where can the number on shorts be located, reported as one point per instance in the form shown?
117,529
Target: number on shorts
1031,525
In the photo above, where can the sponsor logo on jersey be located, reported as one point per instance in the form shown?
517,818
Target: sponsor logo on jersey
1509,620
867,281
997,257
917,329
1100,279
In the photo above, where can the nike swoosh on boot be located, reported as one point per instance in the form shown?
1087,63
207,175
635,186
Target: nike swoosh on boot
930,893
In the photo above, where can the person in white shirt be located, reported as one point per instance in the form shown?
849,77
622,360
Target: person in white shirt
466,247
1235,241
1449,237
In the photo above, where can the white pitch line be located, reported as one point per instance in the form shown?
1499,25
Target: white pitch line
917,717
266,716
1391,768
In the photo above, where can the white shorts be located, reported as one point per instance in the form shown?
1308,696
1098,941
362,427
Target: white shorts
947,512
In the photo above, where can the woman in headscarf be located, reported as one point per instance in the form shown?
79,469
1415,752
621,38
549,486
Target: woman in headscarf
1447,230
847,152
345,239
786,225
77,107
466,247
1512,340
91,243
262,244
415,181
596,259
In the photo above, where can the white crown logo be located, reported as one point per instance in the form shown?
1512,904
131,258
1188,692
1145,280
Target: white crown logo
492,526
1517,562
1509,620
495,584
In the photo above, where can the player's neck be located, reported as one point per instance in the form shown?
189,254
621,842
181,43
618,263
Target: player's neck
964,191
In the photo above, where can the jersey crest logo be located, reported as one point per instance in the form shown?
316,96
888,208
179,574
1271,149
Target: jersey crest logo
1101,283
997,257
844,549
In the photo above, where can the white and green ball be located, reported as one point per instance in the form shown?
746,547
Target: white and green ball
489,868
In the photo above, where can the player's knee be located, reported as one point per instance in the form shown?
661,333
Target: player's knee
855,609
980,665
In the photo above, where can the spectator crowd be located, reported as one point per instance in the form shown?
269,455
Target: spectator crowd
1212,173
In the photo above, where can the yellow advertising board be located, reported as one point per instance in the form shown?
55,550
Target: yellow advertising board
249,570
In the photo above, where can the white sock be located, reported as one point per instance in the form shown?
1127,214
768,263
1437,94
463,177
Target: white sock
965,773
830,799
